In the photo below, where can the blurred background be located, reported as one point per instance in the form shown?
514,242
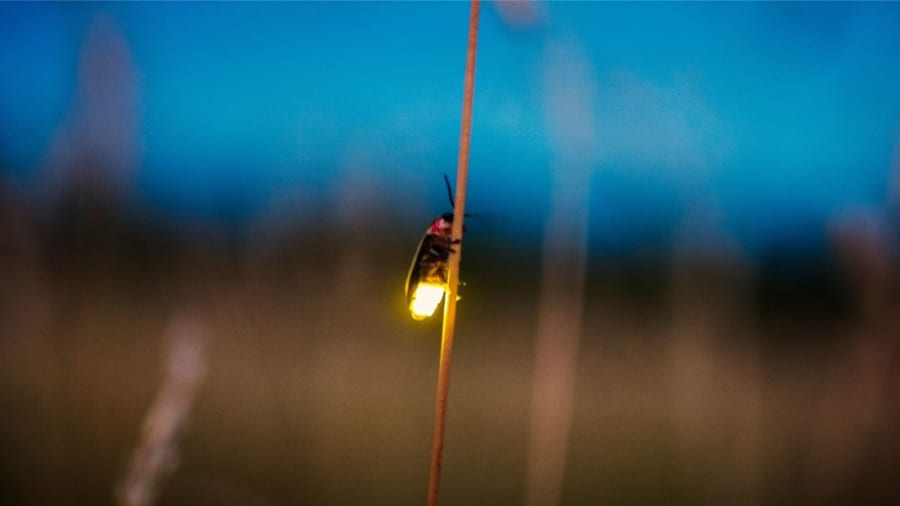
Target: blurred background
683,287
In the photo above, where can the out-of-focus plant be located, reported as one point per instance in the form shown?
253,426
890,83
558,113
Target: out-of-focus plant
156,454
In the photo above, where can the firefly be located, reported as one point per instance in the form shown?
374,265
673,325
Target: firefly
426,282
427,279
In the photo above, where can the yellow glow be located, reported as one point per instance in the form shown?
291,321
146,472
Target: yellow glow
425,300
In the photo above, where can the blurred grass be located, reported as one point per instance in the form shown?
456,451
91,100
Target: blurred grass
321,389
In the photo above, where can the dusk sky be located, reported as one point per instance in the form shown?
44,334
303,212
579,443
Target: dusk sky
777,116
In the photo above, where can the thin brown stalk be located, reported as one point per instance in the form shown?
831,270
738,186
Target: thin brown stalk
459,209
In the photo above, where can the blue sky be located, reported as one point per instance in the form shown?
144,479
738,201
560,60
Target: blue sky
777,115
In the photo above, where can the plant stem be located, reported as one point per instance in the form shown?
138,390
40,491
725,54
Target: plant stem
459,209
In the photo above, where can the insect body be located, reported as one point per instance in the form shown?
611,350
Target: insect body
427,278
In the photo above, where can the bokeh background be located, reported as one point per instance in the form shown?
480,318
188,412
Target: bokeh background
682,287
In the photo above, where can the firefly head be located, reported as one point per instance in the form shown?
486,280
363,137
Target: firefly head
442,225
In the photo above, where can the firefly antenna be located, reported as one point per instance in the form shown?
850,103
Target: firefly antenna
449,191
453,200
